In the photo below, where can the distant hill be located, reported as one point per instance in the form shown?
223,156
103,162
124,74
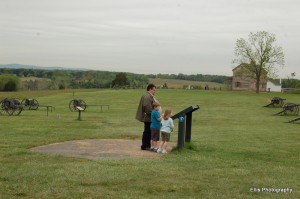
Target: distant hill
17,66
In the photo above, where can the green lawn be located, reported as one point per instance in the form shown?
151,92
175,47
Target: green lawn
237,146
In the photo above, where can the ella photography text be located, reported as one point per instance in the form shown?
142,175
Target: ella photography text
271,190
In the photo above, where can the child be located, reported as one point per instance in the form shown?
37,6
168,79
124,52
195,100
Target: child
155,126
167,127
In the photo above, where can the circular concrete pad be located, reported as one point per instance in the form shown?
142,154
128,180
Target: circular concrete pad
99,148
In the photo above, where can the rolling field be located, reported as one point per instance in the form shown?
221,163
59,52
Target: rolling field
238,148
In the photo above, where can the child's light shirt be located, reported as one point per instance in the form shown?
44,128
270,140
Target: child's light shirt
167,125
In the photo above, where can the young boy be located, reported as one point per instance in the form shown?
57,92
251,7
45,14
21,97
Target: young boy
155,126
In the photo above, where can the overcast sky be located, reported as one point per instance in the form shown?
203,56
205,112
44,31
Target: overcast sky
144,36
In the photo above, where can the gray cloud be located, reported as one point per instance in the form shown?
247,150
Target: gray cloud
142,36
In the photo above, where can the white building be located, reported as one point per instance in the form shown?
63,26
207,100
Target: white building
274,85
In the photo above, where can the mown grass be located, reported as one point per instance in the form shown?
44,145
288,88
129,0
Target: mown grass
236,145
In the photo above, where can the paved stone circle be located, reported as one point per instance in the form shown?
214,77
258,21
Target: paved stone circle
99,149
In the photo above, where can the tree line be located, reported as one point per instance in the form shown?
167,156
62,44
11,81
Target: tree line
290,83
10,79
37,79
75,79
194,77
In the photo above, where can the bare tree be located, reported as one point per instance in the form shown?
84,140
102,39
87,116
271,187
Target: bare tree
259,55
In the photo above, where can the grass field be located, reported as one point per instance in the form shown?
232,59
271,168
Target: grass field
237,149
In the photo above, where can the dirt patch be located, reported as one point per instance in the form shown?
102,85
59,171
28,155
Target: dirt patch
99,148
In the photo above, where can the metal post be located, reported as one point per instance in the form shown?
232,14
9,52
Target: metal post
79,114
188,127
181,132
79,111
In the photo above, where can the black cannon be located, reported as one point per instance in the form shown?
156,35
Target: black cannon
276,102
79,104
289,109
31,104
10,106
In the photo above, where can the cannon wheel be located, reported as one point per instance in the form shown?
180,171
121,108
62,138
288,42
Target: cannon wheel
35,105
10,111
2,108
23,103
72,105
297,110
8,105
17,106
17,110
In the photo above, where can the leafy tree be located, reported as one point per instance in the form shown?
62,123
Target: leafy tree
61,79
9,83
137,80
259,55
120,80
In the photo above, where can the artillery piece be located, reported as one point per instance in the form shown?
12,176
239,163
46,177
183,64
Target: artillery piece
10,106
289,108
31,104
275,102
76,104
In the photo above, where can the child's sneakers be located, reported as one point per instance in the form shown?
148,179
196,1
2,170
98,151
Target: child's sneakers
159,150
163,151
155,149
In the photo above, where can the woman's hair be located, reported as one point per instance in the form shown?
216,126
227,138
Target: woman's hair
167,114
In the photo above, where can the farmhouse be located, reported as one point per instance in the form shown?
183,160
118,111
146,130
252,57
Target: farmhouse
244,82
